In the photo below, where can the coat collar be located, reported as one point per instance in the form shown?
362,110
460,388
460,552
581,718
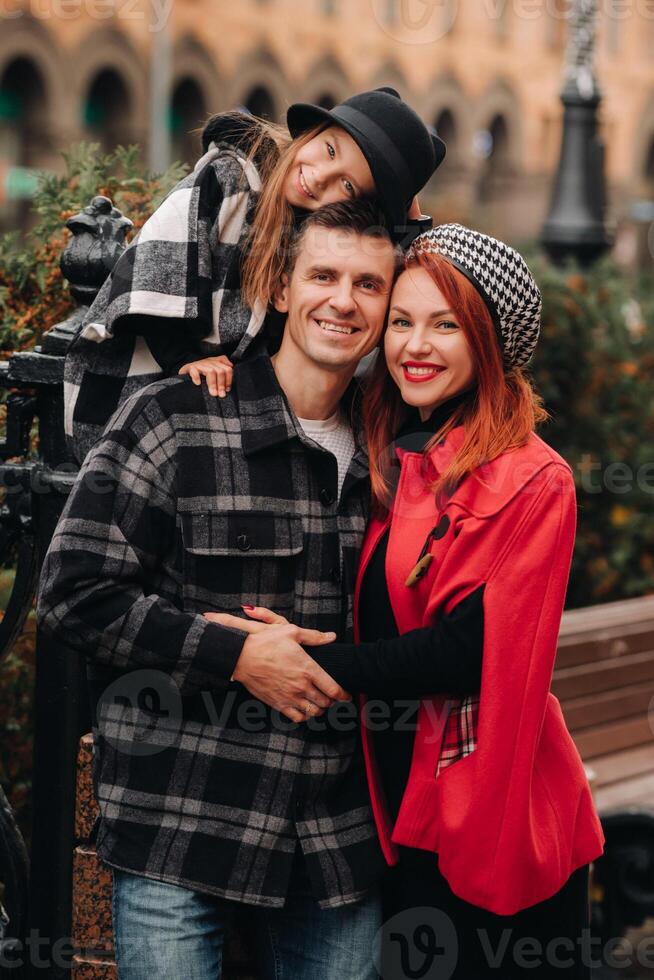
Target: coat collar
265,415
266,418
492,485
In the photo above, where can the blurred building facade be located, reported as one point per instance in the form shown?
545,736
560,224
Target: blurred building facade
486,73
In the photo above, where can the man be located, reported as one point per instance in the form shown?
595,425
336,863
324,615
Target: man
191,504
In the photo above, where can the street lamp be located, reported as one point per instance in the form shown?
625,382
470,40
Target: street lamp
576,226
160,76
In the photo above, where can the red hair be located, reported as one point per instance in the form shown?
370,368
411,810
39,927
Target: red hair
501,413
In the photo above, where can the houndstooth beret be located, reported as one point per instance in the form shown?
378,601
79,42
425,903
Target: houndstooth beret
502,278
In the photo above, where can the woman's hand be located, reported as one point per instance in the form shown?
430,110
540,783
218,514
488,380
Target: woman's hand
217,370
264,619
263,615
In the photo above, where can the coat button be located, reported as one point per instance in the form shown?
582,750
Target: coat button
441,528
326,497
243,542
335,574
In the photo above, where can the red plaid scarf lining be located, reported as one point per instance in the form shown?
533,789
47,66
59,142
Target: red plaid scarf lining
460,735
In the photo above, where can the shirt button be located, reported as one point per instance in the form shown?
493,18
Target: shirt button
326,497
335,575
243,542
299,806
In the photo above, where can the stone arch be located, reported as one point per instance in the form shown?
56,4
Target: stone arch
648,170
259,73
498,113
111,54
196,94
644,148
261,102
448,102
23,111
188,112
192,60
391,74
35,82
326,83
107,109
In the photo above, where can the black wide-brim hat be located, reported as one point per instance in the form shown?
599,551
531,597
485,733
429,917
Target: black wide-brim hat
400,150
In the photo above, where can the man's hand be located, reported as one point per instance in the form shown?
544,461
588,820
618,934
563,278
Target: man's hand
276,670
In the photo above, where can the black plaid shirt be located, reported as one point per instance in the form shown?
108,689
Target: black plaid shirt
187,504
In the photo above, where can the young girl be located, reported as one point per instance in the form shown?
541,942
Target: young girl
481,801
196,281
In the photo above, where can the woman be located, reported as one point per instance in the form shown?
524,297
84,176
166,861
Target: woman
482,807
178,293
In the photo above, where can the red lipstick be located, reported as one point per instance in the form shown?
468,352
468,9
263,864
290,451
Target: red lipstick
436,369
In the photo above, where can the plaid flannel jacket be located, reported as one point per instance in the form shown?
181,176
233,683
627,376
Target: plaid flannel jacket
190,503
174,294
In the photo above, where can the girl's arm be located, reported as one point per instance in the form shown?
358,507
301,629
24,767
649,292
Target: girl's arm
218,372
178,352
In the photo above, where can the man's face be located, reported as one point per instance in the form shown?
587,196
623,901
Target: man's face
336,298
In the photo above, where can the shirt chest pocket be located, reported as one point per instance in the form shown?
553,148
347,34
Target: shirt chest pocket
236,558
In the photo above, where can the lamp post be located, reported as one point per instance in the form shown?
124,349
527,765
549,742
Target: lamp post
160,77
576,226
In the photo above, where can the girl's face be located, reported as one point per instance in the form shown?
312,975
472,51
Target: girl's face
327,169
426,350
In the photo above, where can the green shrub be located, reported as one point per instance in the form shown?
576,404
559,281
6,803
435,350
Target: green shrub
594,367
33,293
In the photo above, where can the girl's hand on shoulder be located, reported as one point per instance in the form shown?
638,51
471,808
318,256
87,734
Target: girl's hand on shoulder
218,372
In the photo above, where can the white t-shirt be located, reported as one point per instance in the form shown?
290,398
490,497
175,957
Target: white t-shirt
335,435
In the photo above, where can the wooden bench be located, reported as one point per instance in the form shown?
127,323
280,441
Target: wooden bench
604,678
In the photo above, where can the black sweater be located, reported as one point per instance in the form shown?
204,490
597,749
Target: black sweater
441,659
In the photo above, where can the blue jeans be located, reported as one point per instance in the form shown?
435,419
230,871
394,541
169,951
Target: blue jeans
164,932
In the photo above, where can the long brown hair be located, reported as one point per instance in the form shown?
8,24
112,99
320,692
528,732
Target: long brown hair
272,150
502,411
268,244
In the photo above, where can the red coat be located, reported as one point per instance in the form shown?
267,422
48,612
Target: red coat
513,819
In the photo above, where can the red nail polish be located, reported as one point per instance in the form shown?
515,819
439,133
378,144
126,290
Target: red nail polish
247,607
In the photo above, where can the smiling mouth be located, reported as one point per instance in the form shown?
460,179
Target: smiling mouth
421,372
327,327
304,186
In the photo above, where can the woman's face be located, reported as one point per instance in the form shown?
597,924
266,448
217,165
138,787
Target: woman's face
327,169
426,351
